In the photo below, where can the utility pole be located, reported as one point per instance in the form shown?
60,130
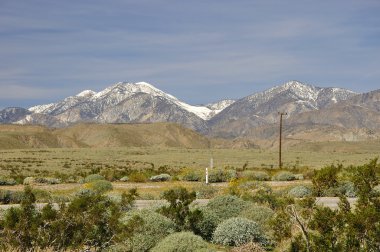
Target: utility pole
280,143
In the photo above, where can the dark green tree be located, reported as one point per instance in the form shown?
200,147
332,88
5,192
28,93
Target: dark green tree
179,208
325,178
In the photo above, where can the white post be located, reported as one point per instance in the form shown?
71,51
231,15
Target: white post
206,176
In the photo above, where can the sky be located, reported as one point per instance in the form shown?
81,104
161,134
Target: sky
199,51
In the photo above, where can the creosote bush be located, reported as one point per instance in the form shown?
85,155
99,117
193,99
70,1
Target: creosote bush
160,177
10,197
300,192
284,176
137,177
207,225
238,231
256,175
219,175
99,186
191,175
93,177
205,191
181,242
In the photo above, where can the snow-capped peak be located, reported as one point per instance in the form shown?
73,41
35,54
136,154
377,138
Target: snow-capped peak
86,93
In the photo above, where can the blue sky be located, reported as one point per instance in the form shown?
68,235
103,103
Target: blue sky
199,50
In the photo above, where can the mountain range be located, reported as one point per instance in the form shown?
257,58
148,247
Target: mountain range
340,113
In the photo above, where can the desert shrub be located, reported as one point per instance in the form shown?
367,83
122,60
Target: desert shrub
284,176
100,186
124,179
256,175
330,192
93,177
205,191
207,225
348,189
219,175
29,181
10,197
226,206
325,179
260,214
191,175
84,192
376,189
300,191
299,176
153,228
178,210
160,177
238,231
249,247
50,181
41,195
5,181
138,177
181,242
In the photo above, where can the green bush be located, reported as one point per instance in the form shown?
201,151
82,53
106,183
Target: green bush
348,189
160,177
124,179
376,189
219,175
258,213
256,175
29,181
299,176
10,197
326,179
50,181
138,177
100,186
153,228
249,247
238,231
207,225
93,177
181,242
205,191
284,176
300,192
226,206
191,175
5,181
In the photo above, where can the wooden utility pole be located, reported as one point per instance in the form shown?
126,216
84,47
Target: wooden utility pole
280,143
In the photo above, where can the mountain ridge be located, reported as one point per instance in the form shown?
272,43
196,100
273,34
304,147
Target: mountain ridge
141,102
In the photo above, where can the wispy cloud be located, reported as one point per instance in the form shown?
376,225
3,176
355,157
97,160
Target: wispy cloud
197,50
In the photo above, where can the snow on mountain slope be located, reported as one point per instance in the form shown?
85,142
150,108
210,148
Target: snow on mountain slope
114,95
262,108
